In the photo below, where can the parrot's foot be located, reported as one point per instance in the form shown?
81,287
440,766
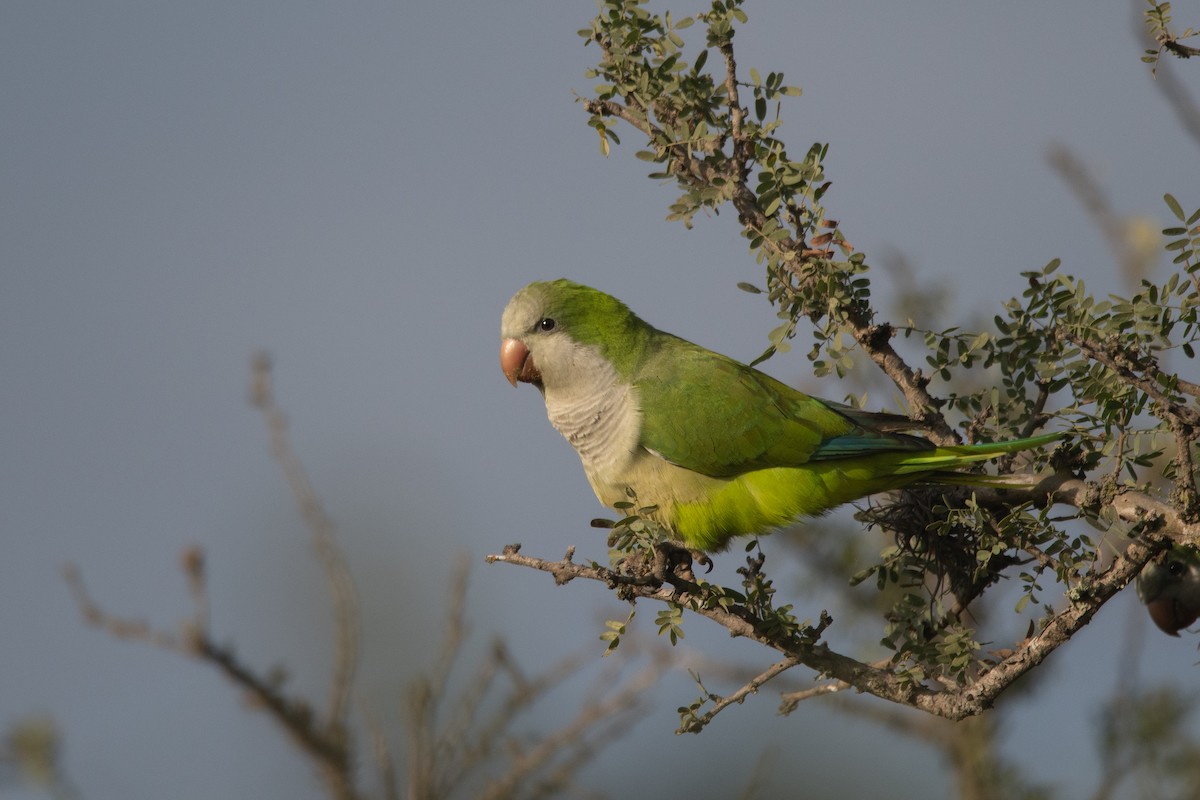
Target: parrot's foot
672,560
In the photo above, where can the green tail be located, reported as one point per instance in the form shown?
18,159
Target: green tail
763,500
940,464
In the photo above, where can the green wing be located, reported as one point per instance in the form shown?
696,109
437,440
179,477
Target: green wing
718,417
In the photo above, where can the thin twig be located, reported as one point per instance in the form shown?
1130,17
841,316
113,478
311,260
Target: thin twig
381,752
326,739
750,687
328,749
579,737
343,593
131,629
790,700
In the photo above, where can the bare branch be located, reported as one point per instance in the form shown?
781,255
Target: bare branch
595,723
132,629
341,584
790,700
326,746
382,754
326,740
750,687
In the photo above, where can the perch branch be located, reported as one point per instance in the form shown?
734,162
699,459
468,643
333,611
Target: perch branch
1156,524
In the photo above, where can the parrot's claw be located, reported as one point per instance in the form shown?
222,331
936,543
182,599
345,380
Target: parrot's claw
670,559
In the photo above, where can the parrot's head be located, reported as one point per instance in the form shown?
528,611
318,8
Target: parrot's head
1170,588
556,334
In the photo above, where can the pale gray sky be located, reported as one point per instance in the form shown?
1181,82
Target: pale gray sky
359,189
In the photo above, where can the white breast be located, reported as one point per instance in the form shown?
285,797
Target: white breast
599,416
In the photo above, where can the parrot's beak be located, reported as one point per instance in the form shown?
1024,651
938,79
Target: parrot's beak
1168,616
517,363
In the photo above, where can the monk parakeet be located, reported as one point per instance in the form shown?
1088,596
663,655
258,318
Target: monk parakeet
718,448
1170,588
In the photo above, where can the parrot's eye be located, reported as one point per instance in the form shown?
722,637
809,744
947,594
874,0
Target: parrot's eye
1175,567
546,324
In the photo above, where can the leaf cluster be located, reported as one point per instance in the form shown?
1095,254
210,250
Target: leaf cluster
718,152
1158,26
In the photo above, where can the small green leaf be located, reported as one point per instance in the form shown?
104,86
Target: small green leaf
1173,204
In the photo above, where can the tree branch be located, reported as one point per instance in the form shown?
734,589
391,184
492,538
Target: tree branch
326,746
1136,370
1156,525
343,593
1141,372
750,687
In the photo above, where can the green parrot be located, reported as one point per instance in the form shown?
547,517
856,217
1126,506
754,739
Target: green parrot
1170,588
716,447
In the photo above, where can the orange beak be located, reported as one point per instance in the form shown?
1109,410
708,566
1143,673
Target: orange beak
517,363
1168,616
